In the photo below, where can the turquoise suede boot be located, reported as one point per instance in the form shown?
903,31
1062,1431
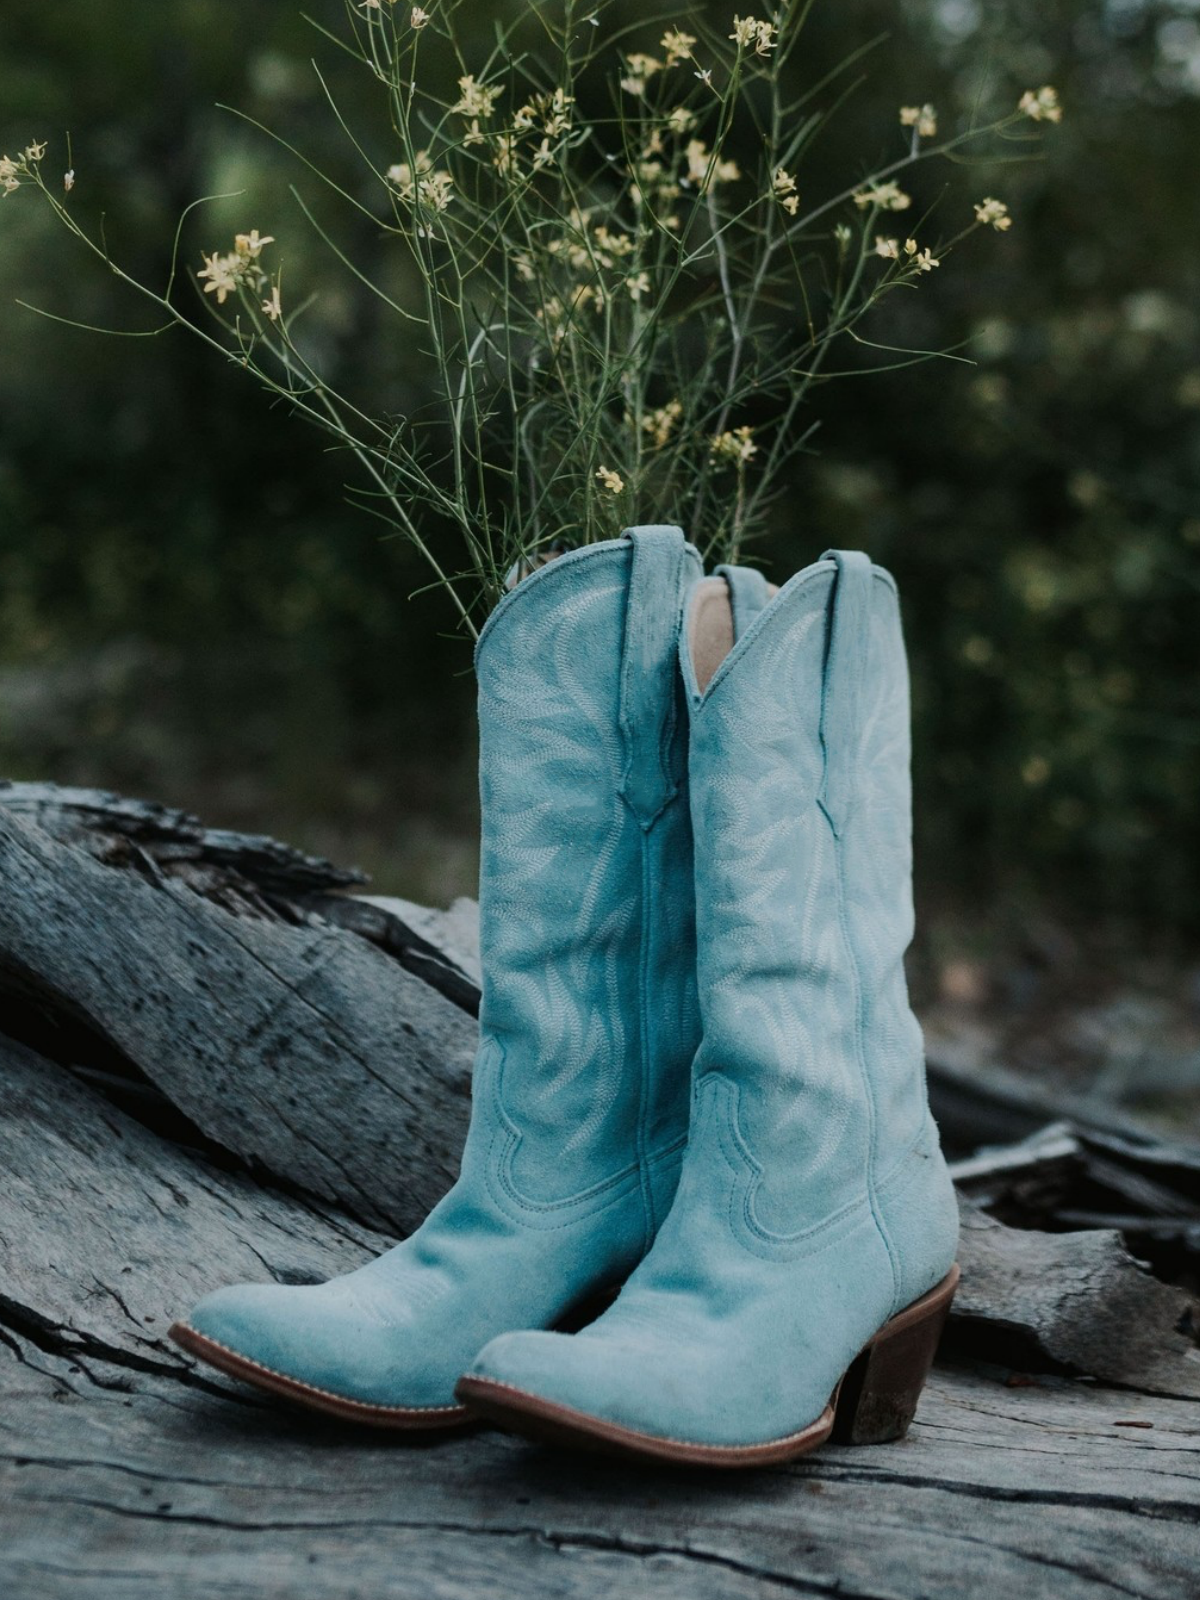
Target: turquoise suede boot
589,1019
806,1267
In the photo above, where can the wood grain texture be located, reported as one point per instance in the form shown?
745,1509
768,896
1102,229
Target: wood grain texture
123,1472
124,831
108,1233
1081,1300
301,1048
323,1081
1031,1492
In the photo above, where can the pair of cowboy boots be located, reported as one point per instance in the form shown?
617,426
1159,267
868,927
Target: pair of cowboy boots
699,1080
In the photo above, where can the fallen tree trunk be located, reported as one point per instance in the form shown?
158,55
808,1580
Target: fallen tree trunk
298,1046
217,1064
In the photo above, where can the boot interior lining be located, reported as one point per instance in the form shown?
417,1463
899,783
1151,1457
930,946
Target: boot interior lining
710,636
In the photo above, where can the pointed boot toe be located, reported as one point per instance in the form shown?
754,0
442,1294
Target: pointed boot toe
314,1348
569,1389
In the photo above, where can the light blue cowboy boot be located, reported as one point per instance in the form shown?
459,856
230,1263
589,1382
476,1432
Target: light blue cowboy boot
589,1019
806,1267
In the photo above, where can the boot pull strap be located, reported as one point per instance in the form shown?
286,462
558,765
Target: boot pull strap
841,697
647,705
749,592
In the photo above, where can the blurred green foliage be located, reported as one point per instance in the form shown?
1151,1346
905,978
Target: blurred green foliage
188,609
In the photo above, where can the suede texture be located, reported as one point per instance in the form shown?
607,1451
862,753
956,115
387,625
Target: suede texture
814,1202
589,1017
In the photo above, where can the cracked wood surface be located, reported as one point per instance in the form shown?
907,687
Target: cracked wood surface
1037,1491
123,1471
108,1233
296,1033
304,1049
1081,1300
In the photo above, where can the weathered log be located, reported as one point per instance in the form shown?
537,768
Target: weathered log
299,1046
115,1477
295,1045
976,1105
1079,1299
1052,1490
108,1233
121,1467
162,839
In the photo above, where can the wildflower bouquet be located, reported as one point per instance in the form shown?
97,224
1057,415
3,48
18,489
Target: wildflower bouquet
623,314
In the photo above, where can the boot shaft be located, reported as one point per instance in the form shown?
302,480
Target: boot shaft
588,1015
801,807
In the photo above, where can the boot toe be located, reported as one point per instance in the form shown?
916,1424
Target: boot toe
606,1380
260,1323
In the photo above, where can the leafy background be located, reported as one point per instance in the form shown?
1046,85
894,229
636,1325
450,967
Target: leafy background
189,611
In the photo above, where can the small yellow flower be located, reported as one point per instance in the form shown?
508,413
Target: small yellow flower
638,285
887,196
476,100
612,481
699,162
436,190
556,109
1041,104
783,187
749,32
993,214
641,68
9,179
678,46
69,180
420,183
610,246
922,260
736,445
418,17
34,152
922,118
889,249
273,307
661,424
681,121
768,37
251,245
696,156
224,273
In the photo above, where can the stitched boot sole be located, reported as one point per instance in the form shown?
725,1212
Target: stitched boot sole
874,1402
234,1365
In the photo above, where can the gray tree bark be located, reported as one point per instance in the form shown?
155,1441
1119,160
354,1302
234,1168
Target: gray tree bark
217,1065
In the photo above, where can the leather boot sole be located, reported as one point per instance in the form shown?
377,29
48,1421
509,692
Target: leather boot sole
234,1365
873,1403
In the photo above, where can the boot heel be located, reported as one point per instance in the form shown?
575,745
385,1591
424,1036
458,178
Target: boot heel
878,1397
